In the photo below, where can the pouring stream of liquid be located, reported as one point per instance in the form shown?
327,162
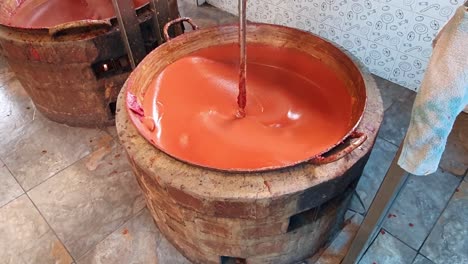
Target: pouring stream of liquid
242,97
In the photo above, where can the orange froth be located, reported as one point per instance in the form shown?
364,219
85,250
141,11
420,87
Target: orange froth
296,108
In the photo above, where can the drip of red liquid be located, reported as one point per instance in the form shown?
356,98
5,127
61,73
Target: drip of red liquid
242,97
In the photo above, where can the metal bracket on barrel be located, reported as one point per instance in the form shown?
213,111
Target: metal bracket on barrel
130,27
156,19
164,13
130,30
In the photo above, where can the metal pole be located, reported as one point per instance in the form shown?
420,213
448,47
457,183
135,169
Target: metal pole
390,187
130,30
156,19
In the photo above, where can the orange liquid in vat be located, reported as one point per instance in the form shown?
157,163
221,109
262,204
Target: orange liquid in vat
49,13
297,108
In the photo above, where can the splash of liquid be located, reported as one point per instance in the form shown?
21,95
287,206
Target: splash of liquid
242,97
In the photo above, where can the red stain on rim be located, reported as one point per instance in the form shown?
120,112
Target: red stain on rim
34,54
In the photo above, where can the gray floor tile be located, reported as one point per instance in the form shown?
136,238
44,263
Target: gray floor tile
356,205
338,248
90,199
418,206
455,158
16,108
205,15
3,63
392,92
9,188
420,259
6,74
448,241
136,242
42,148
375,170
396,121
26,237
168,254
112,131
386,249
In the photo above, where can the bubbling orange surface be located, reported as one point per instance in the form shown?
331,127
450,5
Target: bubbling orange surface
297,107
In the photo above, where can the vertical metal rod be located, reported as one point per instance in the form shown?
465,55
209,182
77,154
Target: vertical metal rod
390,187
242,30
162,11
156,19
130,30
242,97
173,14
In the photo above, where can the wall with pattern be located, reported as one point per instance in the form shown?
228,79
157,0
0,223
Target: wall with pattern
393,38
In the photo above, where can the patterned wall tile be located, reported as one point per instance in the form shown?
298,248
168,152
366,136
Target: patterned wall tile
227,5
301,7
329,32
356,45
264,13
408,71
391,26
360,18
393,38
380,59
332,12
305,23
283,17
418,39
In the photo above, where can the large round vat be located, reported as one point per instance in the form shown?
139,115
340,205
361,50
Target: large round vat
281,215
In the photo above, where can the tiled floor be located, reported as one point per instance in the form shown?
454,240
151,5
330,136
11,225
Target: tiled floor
68,195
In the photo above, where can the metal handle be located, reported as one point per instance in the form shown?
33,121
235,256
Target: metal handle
175,21
360,139
79,27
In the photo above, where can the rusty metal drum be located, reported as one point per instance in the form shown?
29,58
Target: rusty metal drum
73,72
